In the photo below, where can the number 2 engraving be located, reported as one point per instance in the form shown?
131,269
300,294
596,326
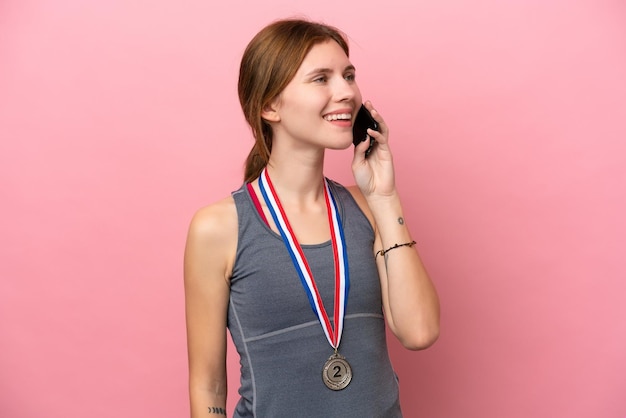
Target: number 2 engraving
337,373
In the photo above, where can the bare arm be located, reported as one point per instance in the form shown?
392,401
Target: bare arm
409,296
410,300
209,254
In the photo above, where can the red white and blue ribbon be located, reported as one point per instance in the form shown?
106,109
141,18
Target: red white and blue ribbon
342,280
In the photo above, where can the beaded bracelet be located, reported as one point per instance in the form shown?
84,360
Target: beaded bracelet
406,244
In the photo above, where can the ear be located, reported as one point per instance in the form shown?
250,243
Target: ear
270,111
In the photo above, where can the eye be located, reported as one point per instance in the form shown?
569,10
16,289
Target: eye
320,79
350,76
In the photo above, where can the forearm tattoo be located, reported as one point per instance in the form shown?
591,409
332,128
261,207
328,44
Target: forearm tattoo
386,256
217,410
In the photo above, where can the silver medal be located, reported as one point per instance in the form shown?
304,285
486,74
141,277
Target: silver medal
337,372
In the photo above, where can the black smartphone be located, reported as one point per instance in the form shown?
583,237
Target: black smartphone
363,121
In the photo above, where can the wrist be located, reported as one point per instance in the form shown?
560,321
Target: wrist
383,202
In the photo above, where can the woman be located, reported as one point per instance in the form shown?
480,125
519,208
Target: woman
304,272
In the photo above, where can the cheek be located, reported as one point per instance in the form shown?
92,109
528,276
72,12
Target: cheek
303,101
312,107
357,95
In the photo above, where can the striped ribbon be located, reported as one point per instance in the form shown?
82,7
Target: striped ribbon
342,280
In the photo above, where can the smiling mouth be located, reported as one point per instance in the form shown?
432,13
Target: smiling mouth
338,116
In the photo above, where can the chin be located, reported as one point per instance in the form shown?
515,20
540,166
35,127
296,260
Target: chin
341,145
338,148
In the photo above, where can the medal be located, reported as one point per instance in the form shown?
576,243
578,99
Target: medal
337,372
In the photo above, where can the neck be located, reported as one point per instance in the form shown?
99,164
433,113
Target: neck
297,178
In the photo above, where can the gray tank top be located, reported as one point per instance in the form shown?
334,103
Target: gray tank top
281,344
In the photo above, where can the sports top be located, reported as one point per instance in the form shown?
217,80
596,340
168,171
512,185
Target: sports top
279,339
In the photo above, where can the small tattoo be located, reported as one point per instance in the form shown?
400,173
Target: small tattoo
217,410
401,220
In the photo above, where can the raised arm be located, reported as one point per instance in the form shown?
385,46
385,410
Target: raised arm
410,300
209,255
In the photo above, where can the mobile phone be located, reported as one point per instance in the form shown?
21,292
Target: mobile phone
363,121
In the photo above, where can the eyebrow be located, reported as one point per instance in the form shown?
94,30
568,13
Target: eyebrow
328,70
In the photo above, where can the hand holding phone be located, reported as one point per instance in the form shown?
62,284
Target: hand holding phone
363,121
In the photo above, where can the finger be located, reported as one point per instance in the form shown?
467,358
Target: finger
376,115
378,136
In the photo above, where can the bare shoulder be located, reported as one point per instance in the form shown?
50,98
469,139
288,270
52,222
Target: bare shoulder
212,234
218,220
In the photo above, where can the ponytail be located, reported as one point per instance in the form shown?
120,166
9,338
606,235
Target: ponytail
259,155
255,163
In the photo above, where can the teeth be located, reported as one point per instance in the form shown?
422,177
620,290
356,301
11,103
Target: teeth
338,116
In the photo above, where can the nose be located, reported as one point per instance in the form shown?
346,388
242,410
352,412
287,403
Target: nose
346,90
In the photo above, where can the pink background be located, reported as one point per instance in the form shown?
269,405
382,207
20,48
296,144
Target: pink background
118,119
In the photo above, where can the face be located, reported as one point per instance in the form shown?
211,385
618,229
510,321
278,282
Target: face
319,105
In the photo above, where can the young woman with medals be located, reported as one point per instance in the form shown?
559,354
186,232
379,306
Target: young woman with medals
305,273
